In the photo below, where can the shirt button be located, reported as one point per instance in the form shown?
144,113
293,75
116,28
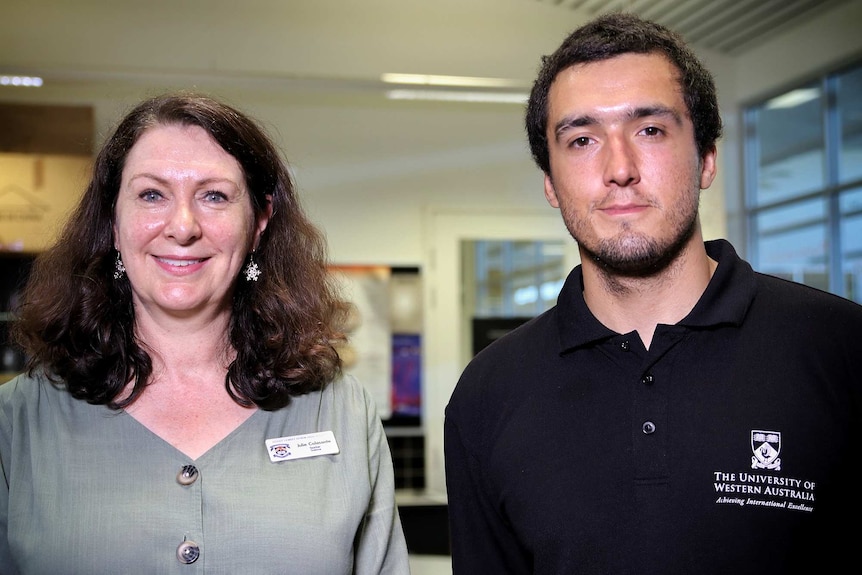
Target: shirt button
648,379
188,552
188,474
624,346
648,427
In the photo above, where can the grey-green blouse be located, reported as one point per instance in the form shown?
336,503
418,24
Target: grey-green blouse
87,490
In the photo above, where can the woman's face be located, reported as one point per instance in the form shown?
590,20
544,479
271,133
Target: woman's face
183,222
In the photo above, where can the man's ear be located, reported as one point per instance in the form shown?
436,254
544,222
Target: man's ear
708,168
550,192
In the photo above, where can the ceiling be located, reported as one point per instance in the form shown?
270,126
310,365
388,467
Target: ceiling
337,45
727,26
312,68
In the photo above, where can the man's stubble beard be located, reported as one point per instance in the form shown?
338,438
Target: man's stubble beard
635,255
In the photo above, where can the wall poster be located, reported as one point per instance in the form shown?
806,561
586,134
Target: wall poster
367,355
383,326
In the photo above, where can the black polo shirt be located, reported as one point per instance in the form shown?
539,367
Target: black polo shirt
728,447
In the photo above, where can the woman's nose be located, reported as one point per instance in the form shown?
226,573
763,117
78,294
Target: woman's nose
183,224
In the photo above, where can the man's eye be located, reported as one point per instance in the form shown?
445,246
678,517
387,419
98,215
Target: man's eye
652,131
580,142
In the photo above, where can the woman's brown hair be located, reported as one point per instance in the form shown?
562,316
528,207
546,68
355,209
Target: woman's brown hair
76,321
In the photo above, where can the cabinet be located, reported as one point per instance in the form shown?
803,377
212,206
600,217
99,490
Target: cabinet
14,268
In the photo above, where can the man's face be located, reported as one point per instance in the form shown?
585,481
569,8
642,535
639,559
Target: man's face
625,170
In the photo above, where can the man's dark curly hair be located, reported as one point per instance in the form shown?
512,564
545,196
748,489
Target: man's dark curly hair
613,35
77,323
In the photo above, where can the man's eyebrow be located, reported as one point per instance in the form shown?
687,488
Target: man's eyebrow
656,111
570,122
573,122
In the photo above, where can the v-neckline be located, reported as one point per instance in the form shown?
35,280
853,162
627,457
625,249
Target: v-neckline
207,452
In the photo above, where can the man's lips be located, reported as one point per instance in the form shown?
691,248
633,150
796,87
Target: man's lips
623,209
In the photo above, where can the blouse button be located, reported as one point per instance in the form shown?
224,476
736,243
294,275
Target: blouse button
188,552
648,427
188,474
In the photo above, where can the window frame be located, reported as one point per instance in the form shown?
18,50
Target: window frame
831,191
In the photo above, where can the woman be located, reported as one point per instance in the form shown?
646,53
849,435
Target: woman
183,408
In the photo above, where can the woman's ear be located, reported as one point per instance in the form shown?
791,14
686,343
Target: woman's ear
263,220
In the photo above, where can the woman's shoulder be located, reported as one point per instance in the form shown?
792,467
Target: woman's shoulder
21,395
344,398
34,395
348,391
344,407
23,388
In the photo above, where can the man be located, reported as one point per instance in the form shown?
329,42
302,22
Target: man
676,412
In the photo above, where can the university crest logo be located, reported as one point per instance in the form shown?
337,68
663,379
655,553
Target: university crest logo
766,445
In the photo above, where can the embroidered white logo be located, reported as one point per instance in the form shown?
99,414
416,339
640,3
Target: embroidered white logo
766,445
753,489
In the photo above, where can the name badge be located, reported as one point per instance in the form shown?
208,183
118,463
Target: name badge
301,446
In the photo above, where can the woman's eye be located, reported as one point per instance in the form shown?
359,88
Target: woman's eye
150,195
215,196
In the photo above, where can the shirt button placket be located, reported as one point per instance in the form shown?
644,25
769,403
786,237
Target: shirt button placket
188,551
650,438
648,427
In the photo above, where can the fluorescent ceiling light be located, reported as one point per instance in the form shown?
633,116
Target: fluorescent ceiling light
21,81
793,98
459,81
453,96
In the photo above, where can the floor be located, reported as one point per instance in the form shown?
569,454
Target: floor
430,565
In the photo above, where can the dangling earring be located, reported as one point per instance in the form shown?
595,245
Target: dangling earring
252,271
119,268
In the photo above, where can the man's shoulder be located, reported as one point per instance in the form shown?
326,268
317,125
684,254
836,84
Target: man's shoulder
795,297
811,321
537,335
501,366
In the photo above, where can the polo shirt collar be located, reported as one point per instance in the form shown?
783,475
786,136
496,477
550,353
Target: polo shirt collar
724,302
729,293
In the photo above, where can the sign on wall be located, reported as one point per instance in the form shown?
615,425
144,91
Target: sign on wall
36,194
